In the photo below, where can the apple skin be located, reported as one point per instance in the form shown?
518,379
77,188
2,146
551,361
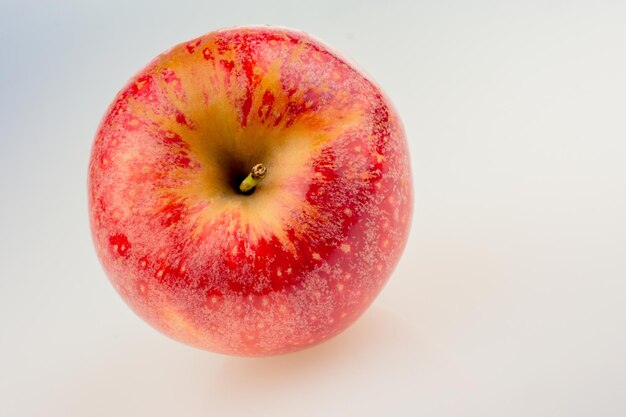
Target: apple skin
303,256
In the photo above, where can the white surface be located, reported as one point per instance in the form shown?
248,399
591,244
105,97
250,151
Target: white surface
510,299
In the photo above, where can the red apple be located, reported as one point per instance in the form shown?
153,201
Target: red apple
286,265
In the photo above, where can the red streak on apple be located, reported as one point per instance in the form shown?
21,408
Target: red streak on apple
288,266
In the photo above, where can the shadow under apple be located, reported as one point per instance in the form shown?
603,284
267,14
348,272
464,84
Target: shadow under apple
367,355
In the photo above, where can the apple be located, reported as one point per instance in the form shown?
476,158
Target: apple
250,192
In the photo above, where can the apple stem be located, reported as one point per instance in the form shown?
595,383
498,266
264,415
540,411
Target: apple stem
256,175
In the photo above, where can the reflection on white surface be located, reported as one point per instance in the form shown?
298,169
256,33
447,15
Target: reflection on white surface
509,300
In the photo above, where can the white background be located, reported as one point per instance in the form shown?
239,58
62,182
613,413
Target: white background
510,299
